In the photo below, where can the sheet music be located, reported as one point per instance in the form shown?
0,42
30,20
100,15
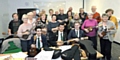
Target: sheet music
44,55
4,57
65,47
19,55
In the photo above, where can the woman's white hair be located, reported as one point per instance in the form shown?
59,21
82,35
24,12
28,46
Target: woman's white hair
30,13
24,16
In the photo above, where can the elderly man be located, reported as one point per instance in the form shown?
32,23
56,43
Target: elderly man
62,18
96,15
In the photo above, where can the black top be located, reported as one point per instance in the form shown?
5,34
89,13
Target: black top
14,25
84,14
61,16
109,17
52,25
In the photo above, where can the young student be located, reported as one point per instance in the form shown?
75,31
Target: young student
38,40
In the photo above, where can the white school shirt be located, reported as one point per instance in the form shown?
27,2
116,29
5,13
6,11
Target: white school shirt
76,33
59,35
41,44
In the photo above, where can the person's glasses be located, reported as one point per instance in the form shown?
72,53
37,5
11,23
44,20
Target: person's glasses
25,18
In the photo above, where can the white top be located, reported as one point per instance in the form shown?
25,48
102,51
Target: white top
59,35
33,22
76,32
41,44
49,17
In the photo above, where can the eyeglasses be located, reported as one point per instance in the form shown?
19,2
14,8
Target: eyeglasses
25,18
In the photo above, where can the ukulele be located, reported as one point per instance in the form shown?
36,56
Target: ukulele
14,35
105,32
25,36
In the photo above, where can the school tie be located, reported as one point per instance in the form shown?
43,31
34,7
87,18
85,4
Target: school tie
61,36
38,43
77,33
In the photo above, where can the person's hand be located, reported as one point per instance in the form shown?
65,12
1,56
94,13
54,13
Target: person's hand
86,30
73,40
33,46
26,33
100,35
60,21
82,38
85,38
56,28
82,16
76,39
59,43
9,34
72,28
66,20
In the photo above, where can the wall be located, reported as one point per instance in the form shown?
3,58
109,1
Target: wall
10,6
103,5
3,16
76,4
15,4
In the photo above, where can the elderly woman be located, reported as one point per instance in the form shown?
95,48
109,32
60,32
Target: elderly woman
111,17
89,26
23,30
31,20
52,26
106,32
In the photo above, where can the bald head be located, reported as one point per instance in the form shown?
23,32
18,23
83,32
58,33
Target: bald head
61,10
93,8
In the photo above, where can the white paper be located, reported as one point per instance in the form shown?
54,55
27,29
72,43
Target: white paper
19,55
3,57
44,55
65,47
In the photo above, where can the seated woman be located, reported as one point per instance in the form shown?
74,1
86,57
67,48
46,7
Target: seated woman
24,32
90,28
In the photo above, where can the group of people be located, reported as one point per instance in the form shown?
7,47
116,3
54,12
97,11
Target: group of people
56,29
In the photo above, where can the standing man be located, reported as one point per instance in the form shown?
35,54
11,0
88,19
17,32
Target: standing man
96,15
62,18
14,24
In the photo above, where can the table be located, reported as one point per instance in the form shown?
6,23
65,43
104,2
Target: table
99,55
